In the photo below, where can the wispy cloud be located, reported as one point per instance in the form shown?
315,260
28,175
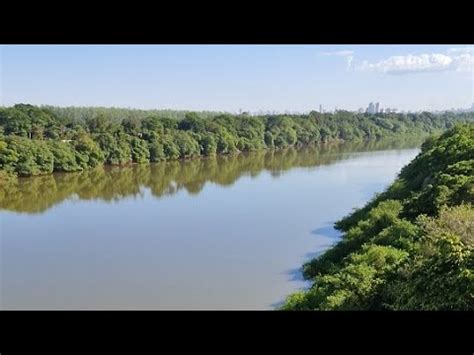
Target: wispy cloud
456,59
347,54
469,50
340,53
349,60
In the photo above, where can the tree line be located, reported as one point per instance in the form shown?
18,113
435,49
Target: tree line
110,183
39,140
411,247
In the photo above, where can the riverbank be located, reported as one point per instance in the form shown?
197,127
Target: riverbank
411,247
39,140
35,194
8,176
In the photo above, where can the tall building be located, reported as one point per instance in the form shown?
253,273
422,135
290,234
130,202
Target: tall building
377,107
371,109
320,108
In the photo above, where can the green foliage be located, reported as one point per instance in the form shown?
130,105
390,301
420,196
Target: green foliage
458,220
8,155
88,152
116,149
98,124
192,122
120,136
226,142
139,150
187,145
355,286
208,144
410,248
157,152
440,276
269,139
379,218
170,147
27,157
150,125
64,156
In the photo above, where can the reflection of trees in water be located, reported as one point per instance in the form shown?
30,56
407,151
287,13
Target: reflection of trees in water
37,194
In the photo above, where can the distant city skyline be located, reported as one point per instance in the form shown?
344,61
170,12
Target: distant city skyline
251,78
241,111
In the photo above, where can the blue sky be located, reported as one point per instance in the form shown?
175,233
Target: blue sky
228,78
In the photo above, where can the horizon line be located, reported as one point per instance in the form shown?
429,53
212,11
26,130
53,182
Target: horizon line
242,111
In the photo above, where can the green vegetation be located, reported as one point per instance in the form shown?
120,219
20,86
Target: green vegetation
38,193
410,248
39,140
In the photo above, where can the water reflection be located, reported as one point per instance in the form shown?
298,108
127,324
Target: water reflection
37,194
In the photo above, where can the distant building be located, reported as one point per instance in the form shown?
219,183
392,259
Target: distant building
320,108
381,110
472,107
361,110
377,106
371,109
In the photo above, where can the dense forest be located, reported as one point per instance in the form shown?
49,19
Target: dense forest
39,140
410,248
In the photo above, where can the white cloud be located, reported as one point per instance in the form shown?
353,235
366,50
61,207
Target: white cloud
465,62
461,60
340,53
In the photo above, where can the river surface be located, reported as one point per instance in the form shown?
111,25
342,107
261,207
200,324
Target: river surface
216,233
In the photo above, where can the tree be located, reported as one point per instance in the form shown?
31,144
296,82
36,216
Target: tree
208,144
192,122
88,152
64,156
139,150
157,152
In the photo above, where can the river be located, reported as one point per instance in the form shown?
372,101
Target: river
217,233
